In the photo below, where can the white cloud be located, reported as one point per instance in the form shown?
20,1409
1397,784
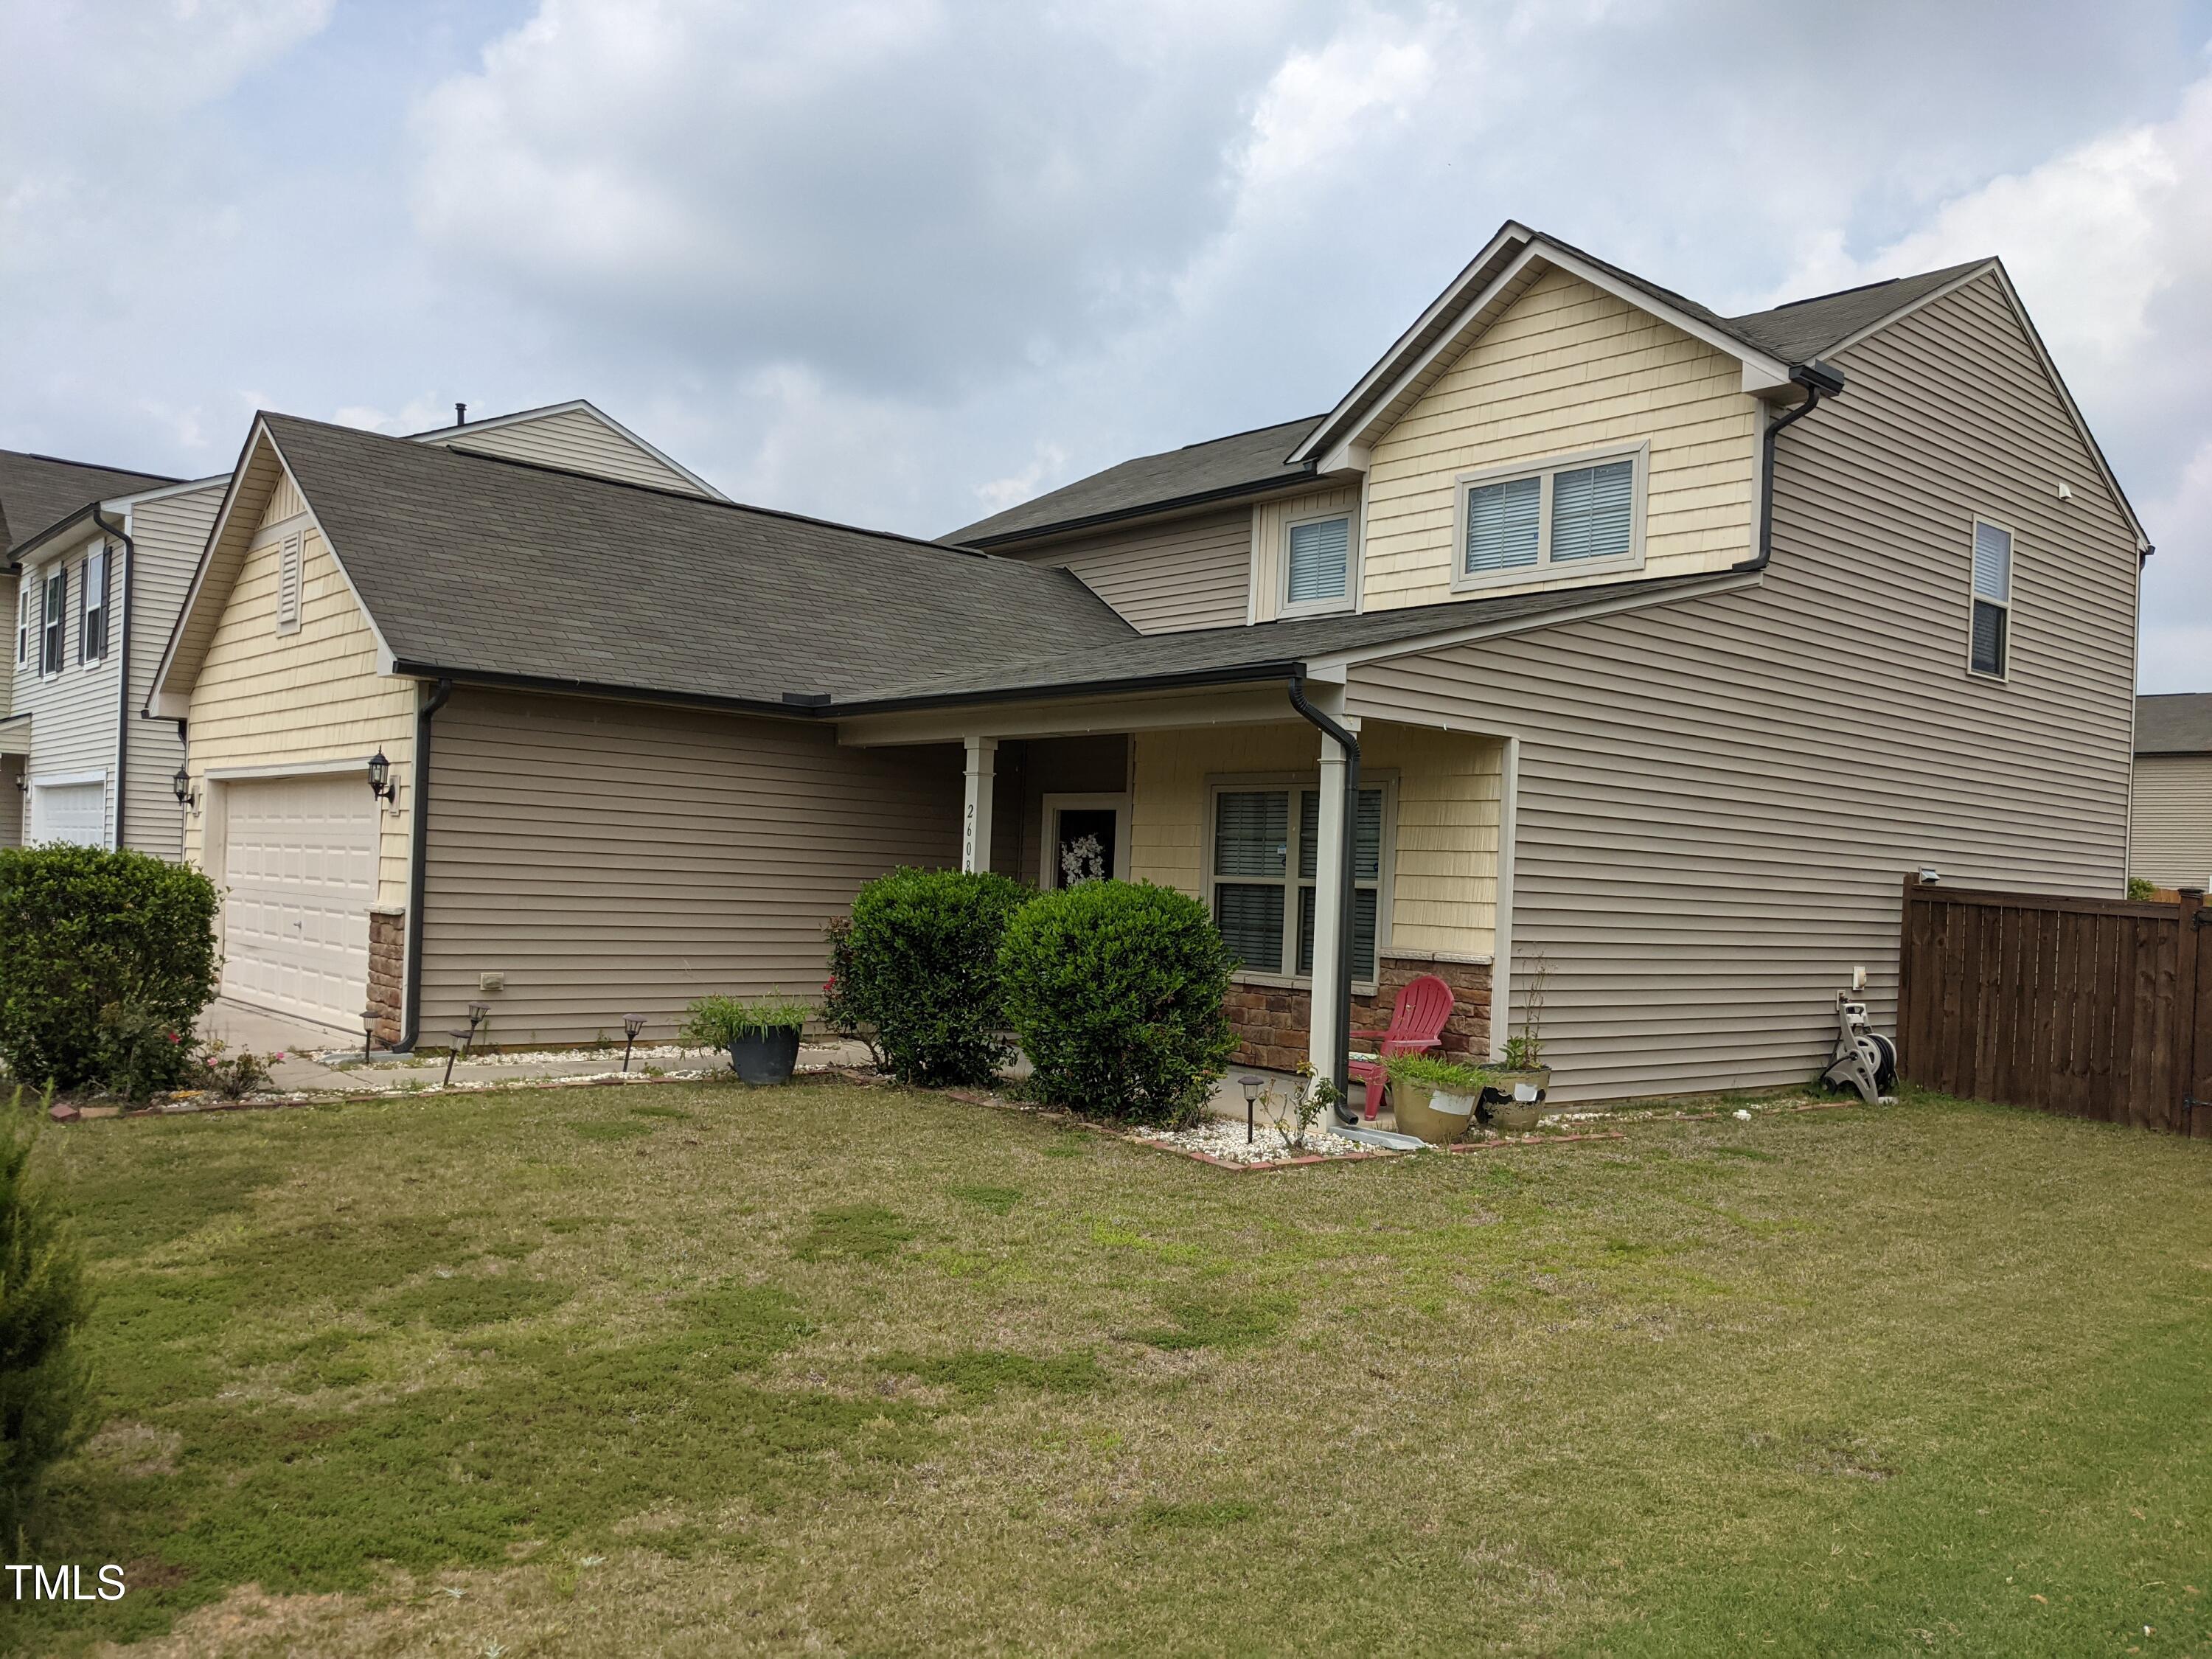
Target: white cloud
1322,103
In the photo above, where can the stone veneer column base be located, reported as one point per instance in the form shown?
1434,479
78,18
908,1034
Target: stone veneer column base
387,970
1272,1023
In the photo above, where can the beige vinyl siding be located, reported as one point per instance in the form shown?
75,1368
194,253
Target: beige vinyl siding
1567,368
2170,841
264,699
74,714
1271,523
575,441
12,818
168,533
613,858
1167,577
1719,798
1443,862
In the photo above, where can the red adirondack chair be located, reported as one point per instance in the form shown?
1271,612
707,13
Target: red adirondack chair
1416,1021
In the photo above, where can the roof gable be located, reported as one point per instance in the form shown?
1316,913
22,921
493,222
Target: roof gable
479,568
577,436
2174,723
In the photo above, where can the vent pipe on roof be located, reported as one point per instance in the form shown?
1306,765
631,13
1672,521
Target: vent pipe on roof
460,414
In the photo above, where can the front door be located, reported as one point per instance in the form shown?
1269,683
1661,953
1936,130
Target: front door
1086,838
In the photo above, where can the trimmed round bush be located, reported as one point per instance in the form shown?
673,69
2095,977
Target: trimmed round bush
84,931
1115,989
919,966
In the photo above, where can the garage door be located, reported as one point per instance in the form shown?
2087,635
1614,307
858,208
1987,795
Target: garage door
299,865
74,812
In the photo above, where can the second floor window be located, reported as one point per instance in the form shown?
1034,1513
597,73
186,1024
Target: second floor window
1988,653
1317,564
23,624
1585,514
92,625
54,621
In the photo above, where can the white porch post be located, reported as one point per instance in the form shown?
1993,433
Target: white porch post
975,816
1329,943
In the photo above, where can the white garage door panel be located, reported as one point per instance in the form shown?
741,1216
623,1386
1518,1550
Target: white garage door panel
72,812
300,868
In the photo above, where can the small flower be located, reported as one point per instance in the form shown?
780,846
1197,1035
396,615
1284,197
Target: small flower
173,1036
1742,1115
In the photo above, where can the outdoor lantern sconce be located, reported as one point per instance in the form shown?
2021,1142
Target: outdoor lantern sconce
188,797
632,1024
1252,1087
379,778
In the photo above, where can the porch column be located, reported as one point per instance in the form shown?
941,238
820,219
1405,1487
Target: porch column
975,816
1329,943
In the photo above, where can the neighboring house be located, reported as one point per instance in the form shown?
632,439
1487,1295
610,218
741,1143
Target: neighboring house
98,562
2170,828
1665,670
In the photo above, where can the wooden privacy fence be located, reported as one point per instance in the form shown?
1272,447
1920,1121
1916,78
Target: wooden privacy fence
2097,1008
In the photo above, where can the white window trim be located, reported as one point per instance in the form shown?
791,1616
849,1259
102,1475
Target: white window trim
48,623
1544,570
1382,778
86,608
2003,676
1350,601
1055,804
23,592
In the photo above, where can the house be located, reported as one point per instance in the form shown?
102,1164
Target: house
2170,822
1669,643
98,561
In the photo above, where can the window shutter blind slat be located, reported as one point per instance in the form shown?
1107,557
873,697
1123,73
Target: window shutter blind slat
1593,512
1992,563
1251,832
1251,923
1320,560
1503,521
1988,638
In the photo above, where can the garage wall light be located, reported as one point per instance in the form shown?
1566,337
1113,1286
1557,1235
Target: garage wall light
379,778
188,797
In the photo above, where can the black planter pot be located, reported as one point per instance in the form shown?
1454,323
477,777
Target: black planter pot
765,1056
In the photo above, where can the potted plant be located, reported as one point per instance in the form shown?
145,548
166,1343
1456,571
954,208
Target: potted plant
1434,1098
761,1035
1515,1097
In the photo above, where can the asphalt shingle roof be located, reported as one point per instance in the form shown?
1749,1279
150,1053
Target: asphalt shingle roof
2174,723
1804,329
38,491
472,563
1221,467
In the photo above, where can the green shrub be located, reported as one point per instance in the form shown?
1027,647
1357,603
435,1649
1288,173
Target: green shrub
2142,887
141,1051
1115,989
83,930
46,1386
717,1021
1435,1072
922,970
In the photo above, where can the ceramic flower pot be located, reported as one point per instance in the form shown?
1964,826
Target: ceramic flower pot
1426,1115
1514,1101
765,1057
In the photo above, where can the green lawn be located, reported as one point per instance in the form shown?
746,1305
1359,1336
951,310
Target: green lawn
686,1370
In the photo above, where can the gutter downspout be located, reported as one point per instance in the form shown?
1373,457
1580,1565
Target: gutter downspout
123,669
418,841
1817,378
1344,740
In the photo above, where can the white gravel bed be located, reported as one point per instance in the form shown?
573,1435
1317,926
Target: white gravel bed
1219,1137
349,1059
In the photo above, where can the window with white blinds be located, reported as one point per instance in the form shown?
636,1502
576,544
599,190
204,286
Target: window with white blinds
291,574
1317,563
1988,648
92,615
53,620
1263,897
1583,515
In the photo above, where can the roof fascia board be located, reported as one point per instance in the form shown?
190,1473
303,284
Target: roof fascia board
162,704
1695,327
1338,664
499,680
1325,433
1912,306
1233,674
1263,702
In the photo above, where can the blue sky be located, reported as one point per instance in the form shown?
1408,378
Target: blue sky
903,264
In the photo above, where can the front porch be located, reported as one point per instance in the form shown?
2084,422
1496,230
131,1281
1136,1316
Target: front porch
1232,798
